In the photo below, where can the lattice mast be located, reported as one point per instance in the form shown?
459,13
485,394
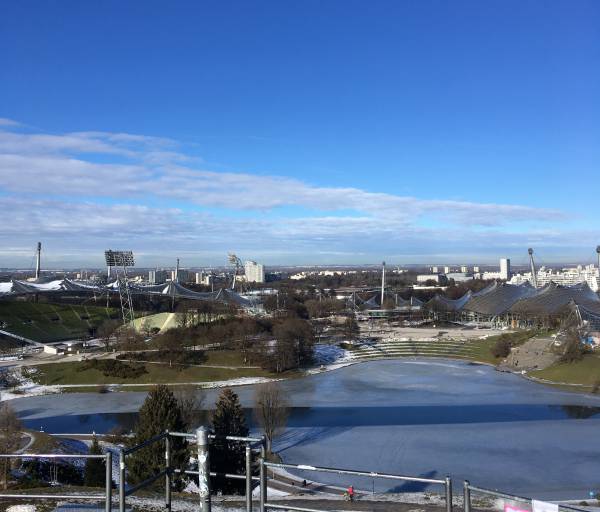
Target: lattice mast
532,265
122,259
382,282
237,264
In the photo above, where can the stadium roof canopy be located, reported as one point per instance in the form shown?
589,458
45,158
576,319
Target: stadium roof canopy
498,298
553,298
170,289
441,303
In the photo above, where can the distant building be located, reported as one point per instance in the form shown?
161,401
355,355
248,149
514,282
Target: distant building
505,268
181,276
438,278
476,269
459,277
157,276
254,272
504,273
434,270
447,270
205,279
566,276
464,269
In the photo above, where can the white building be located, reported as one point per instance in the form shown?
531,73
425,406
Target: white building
180,276
205,279
503,274
254,272
566,276
157,276
438,278
459,277
464,269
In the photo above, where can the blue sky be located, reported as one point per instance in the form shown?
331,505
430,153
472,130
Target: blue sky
300,132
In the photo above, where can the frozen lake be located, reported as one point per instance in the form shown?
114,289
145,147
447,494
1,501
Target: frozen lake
425,417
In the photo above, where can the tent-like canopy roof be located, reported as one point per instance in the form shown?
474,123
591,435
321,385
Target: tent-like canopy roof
553,298
498,298
170,289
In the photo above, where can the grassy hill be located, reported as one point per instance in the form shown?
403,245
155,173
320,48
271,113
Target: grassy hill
46,322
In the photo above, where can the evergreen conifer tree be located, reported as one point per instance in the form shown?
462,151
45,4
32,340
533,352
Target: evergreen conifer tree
94,472
160,412
227,456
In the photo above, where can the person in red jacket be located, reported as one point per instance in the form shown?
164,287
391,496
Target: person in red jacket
351,493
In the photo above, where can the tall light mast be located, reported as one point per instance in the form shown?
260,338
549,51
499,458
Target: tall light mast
598,252
38,261
532,265
177,272
382,282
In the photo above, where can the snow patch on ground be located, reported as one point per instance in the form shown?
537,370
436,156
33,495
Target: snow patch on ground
21,508
331,357
27,387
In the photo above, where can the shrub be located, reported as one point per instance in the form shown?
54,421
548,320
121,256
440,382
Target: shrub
115,368
501,348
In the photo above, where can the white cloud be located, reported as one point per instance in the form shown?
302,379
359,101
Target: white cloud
55,189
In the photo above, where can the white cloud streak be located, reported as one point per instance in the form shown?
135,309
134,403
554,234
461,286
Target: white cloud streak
55,186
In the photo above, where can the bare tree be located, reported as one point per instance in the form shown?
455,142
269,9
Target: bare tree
190,400
10,438
106,330
271,410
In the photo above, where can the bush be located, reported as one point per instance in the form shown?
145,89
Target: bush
501,348
114,368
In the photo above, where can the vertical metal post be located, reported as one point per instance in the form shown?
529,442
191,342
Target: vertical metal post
108,504
168,473
121,481
203,469
467,496
263,474
448,494
248,478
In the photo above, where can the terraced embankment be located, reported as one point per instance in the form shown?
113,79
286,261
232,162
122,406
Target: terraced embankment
475,350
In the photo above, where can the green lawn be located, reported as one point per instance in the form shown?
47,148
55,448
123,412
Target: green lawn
47,322
586,371
72,373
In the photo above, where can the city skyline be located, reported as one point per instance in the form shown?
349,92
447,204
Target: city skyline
411,133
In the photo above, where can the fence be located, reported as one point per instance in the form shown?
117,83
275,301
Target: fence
468,489
107,496
202,439
446,483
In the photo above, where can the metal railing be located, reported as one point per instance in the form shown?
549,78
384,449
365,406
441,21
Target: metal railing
202,438
468,489
106,497
124,492
446,482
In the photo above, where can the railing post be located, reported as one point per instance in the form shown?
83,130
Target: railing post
448,494
121,481
263,474
108,504
248,478
466,496
168,473
203,469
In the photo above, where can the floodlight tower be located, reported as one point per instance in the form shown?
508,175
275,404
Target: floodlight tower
598,253
177,272
237,263
532,265
38,260
122,259
382,282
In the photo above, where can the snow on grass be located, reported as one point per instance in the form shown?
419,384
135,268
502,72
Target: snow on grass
26,386
21,508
